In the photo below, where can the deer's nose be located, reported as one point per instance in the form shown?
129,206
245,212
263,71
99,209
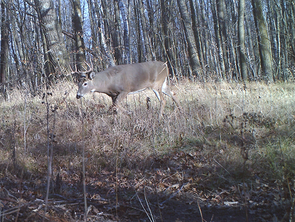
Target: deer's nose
78,96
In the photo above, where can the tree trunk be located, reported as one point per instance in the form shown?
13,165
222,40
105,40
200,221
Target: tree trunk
152,28
4,49
103,56
166,37
264,41
243,62
252,51
292,37
116,34
192,49
284,41
138,32
126,32
146,42
218,40
205,31
221,10
197,34
56,56
4,43
78,36
94,38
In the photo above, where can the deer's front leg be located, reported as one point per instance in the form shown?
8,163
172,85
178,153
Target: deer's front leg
113,109
116,102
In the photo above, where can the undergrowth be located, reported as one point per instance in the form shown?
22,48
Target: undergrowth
235,133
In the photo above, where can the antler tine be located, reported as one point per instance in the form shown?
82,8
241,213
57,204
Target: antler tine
83,75
91,63
90,67
74,71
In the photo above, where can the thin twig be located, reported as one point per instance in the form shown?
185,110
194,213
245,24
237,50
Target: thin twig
221,165
200,210
148,205
48,150
83,166
175,193
144,208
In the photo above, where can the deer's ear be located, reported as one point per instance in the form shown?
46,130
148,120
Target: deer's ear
91,75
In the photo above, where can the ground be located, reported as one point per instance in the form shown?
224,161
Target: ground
227,155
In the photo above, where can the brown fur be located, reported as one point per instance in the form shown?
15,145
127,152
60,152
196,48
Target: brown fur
120,80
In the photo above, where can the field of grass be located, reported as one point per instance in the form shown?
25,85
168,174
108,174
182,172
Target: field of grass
229,154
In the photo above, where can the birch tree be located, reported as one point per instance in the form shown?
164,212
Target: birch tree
264,41
243,63
192,49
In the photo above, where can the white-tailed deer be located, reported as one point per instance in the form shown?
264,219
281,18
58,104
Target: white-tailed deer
118,81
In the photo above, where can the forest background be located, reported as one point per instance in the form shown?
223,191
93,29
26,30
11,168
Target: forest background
200,40
228,156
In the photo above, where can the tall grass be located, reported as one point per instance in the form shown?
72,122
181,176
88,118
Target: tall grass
230,125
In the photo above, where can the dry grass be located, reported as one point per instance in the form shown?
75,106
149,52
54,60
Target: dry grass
211,122
233,132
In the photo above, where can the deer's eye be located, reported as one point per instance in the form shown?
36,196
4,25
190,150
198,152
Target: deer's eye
85,84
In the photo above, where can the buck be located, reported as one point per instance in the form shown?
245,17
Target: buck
118,81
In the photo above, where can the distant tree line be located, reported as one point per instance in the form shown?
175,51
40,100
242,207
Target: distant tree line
202,40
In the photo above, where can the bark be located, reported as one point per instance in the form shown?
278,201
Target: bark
4,43
92,27
116,34
264,41
204,33
138,32
220,64
292,37
283,74
144,27
192,49
221,10
195,24
152,28
166,36
126,32
106,30
243,62
78,35
56,56
102,42
233,44
20,38
252,51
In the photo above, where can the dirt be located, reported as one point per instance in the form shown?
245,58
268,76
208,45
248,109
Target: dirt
125,205
173,188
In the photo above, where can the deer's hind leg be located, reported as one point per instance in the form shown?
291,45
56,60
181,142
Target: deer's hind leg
162,100
167,91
